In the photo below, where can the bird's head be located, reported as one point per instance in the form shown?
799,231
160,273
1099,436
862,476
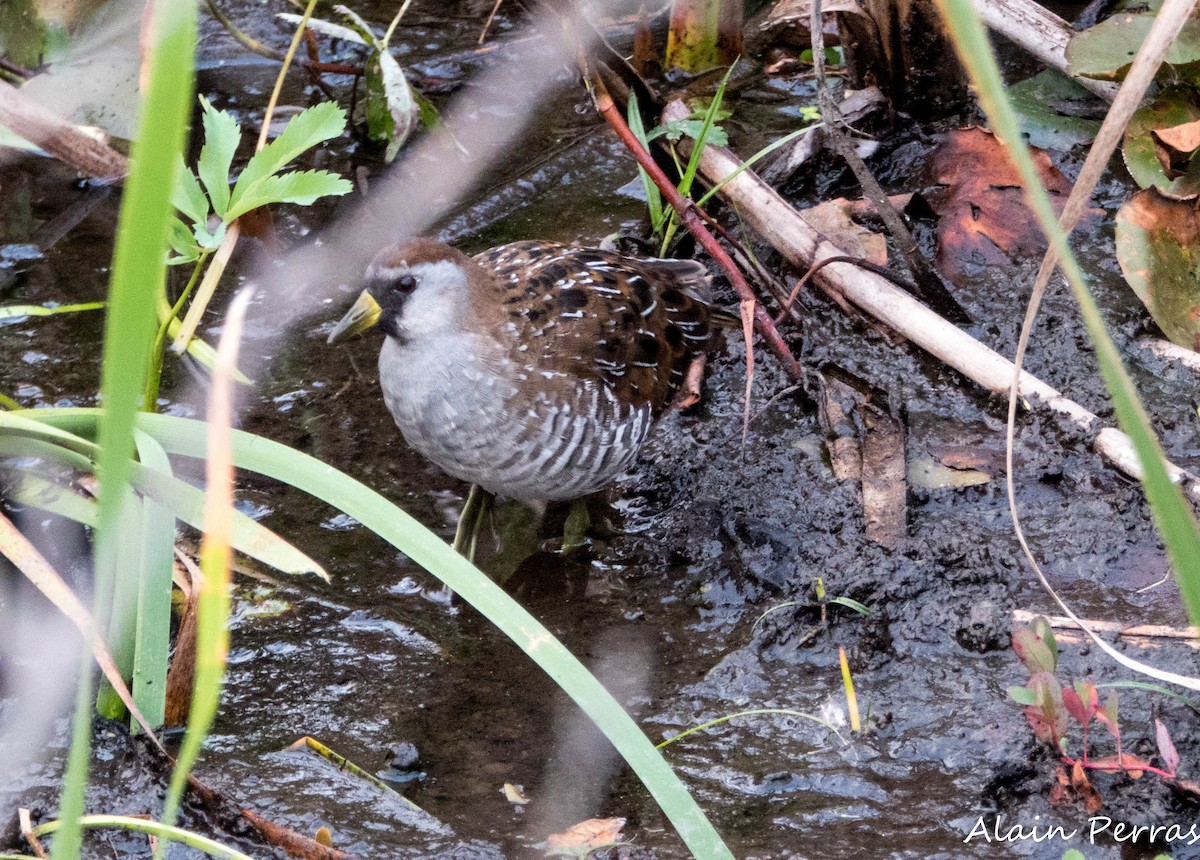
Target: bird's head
417,288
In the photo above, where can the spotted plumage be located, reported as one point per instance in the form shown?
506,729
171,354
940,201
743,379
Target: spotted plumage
535,369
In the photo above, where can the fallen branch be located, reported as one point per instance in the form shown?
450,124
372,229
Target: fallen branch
1039,31
66,142
783,227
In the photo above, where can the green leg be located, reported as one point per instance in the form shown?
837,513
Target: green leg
470,521
575,528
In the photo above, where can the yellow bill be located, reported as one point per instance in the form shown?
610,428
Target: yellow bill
362,316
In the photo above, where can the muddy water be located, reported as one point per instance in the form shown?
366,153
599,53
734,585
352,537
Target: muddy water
702,539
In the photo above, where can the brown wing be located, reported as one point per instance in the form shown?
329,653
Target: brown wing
581,313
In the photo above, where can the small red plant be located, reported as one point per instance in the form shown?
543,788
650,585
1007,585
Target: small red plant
1050,708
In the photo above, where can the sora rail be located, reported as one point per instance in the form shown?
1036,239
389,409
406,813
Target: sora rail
534,370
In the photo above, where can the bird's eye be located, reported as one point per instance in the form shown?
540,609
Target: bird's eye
406,284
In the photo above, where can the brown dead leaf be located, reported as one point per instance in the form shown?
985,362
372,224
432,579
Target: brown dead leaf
983,217
835,220
1182,138
1086,791
583,838
1061,793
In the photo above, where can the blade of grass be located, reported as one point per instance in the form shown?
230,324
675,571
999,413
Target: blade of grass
271,459
216,558
653,195
139,266
1174,519
143,825
12,311
128,547
152,630
22,436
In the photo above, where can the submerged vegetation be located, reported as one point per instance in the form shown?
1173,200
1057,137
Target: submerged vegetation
125,469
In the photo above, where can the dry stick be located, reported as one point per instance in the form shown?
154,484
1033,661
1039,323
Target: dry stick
689,217
66,142
487,25
930,282
784,228
1189,636
1038,31
1174,14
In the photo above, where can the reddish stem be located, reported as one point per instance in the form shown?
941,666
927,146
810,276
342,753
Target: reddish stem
690,218
1116,768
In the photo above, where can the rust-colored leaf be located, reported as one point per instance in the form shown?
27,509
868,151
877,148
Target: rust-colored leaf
1061,793
1182,138
1086,791
983,218
583,838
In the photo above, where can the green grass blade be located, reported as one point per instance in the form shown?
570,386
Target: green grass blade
184,501
13,311
1174,519
152,631
273,460
141,825
139,266
653,195
127,545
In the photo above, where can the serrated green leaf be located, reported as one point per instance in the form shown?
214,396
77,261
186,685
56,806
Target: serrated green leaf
189,197
222,134
183,242
209,240
301,187
307,129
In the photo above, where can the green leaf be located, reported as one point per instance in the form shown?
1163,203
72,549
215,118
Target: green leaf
851,603
301,187
138,272
1173,107
184,501
1158,247
222,135
189,196
182,240
1106,51
358,25
1022,695
305,130
653,195
1050,105
397,100
210,240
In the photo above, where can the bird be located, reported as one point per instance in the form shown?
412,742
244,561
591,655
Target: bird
534,370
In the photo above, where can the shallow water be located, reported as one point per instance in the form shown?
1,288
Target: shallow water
668,606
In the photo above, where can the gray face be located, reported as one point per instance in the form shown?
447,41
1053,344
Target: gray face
425,300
